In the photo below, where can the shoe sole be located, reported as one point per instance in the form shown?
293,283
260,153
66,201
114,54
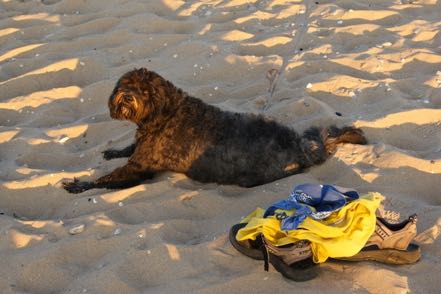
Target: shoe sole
389,256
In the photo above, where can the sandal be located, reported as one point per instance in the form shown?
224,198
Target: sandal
391,243
293,261
250,248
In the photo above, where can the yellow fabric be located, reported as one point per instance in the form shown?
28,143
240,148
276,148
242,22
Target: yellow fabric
344,233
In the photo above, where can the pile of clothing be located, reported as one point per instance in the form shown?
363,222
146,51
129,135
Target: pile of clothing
318,222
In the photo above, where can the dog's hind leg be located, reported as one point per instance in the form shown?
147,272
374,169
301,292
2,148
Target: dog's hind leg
112,153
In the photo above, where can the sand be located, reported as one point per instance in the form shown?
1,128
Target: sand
375,64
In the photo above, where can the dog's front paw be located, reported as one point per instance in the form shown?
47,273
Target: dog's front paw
110,154
76,186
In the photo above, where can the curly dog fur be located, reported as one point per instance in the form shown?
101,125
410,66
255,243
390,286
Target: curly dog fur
180,133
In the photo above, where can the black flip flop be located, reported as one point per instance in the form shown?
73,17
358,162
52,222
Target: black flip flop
293,261
250,248
303,270
300,271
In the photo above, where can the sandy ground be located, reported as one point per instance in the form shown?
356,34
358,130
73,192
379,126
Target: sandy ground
376,63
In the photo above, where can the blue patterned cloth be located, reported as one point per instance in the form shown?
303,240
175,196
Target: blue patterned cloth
314,200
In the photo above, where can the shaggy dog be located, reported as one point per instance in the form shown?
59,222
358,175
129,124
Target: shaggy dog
180,133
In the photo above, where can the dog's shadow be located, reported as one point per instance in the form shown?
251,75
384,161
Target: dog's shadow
181,181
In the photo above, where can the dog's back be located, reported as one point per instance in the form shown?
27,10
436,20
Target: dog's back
250,150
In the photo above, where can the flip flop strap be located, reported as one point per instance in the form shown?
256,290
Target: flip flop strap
299,202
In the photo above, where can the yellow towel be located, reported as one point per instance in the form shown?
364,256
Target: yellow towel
344,233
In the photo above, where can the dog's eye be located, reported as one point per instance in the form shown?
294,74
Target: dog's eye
128,98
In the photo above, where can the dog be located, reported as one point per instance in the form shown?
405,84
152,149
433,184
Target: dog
177,132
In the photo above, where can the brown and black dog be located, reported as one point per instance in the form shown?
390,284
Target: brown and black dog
180,133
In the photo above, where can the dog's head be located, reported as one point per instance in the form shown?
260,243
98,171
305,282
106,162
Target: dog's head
139,95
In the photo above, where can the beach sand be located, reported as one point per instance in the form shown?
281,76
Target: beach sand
375,64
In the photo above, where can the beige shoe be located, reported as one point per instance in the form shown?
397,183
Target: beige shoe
391,243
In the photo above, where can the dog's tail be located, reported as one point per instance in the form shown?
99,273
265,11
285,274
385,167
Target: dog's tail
332,136
319,144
